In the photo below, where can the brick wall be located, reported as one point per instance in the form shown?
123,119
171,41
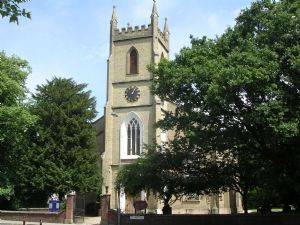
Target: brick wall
69,209
276,219
33,216
110,217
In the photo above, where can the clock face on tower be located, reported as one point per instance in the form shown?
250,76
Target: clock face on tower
132,94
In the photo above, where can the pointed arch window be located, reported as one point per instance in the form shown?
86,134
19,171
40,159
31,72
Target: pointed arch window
133,138
132,61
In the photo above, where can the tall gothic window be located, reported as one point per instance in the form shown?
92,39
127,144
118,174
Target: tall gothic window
132,61
133,138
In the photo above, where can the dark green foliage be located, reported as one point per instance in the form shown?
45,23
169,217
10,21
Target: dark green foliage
12,10
275,26
65,153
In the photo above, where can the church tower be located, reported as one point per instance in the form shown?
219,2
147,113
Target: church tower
131,110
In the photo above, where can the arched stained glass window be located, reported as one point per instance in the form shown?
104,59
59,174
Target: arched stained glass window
133,138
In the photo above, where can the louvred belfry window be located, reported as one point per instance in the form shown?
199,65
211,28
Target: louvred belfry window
133,138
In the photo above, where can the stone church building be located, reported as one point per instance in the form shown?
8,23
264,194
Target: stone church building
131,111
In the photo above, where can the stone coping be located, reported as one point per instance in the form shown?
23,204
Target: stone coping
33,209
9,222
30,212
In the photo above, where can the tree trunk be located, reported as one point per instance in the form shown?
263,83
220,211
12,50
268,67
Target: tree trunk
245,202
167,210
286,208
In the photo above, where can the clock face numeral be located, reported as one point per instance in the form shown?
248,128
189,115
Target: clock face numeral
132,94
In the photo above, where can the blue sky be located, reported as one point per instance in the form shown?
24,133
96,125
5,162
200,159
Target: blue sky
69,38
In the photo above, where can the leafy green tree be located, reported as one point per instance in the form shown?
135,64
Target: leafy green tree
237,99
153,172
167,172
65,154
12,10
15,122
273,27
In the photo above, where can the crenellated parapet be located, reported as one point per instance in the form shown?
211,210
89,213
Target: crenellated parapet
132,33
143,31
130,29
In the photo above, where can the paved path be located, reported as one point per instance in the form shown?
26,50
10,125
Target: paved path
92,220
87,221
